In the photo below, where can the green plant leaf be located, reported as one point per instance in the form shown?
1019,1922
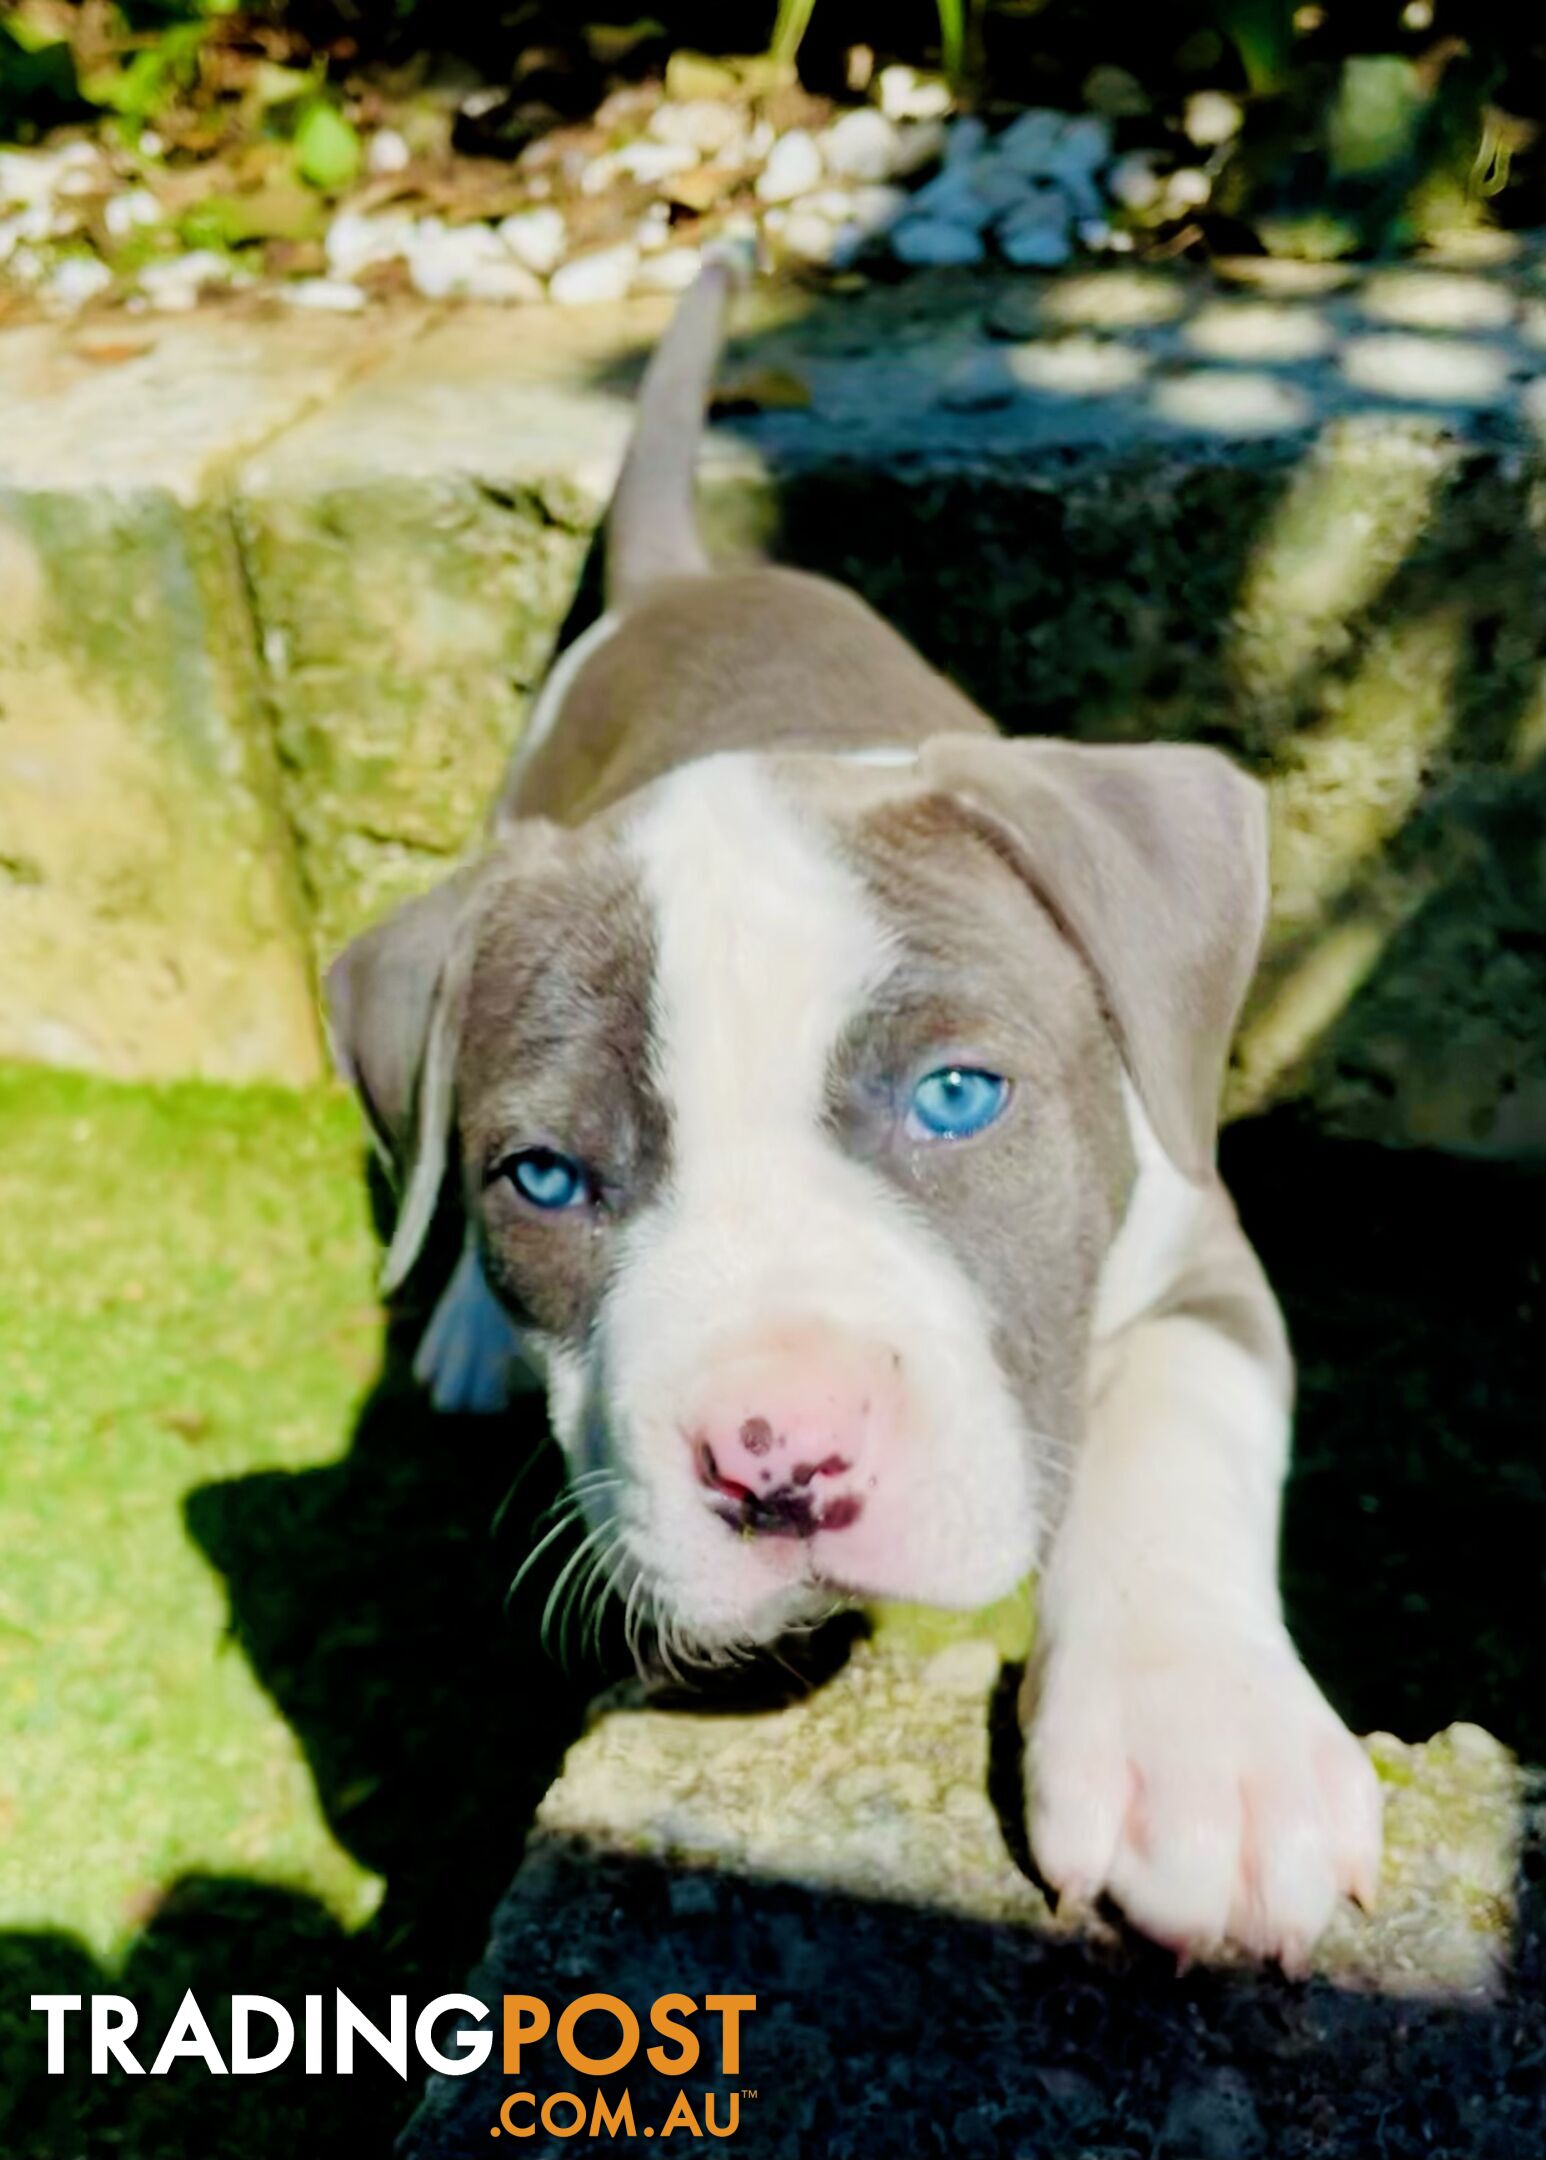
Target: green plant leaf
1375,114
327,147
952,38
790,26
1262,32
143,89
272,85
282,211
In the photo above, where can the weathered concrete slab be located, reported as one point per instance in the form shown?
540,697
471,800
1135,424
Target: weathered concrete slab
846,1859
879,1785
413,550
168,403
150,923
1304,524
1306,521
151,920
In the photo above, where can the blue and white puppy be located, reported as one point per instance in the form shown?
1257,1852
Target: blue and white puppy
831,1087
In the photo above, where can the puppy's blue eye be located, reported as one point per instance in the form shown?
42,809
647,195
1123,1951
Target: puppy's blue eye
956,1102
546,1178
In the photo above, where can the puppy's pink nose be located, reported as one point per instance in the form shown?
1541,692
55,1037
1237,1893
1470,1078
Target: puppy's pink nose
780,1499
790,1431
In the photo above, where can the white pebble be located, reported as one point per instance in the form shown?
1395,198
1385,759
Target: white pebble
877,208
387,151
536,238
131,211
327,296
833,203
605,274
918,143
174,286
27,176
707,125
28,267
79,180
905,95
793,168
354,241
466,262
671,271
1133,182
35,223
77,279
597,174
934,241
650,162
653,234
862,145
1211,117
1188,188
804,234
506,282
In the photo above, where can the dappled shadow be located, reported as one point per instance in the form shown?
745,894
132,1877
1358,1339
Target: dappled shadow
1348,592
370,1598
1072,591
1415,1525
216,1936
369,1595
883,2030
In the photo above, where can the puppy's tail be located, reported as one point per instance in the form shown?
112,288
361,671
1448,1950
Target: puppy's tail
651,528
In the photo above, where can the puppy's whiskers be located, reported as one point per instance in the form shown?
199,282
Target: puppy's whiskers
567,1512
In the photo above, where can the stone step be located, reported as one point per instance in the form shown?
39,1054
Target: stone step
279,591
848,1861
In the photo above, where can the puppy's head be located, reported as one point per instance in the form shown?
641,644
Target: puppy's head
789,1101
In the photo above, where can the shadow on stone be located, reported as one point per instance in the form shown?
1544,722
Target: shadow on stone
881,2031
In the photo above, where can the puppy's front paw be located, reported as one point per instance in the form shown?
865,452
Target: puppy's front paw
1208,1787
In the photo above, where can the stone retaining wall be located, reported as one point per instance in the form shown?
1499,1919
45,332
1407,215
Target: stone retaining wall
274,596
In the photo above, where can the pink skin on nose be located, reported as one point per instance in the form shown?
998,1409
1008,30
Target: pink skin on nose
794,1430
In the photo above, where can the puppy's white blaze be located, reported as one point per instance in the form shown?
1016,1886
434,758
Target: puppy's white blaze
767,947
766,944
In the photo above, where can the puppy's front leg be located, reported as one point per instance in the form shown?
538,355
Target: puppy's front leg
1180,1756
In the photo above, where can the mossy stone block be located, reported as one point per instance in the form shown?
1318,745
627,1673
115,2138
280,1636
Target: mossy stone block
149,920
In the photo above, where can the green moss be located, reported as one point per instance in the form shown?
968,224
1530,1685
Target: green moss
165,933
1010,1625
185,1294
405,629
260,1726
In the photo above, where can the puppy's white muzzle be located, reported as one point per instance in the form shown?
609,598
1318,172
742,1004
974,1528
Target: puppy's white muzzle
795,1431
797,1384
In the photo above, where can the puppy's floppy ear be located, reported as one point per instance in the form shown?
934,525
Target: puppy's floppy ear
394,1005
1153,860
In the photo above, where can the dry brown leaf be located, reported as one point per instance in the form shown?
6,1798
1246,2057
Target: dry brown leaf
113,352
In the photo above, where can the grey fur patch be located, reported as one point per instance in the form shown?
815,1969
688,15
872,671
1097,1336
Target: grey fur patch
1027,1208
555,1052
